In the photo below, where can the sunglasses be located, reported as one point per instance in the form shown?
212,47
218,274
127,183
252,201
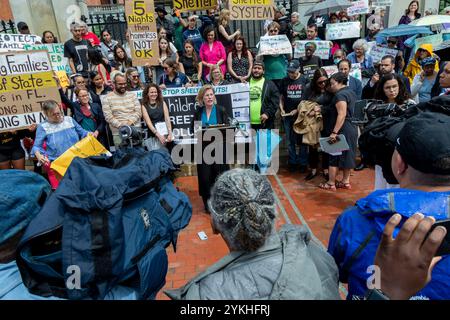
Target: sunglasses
135,77
273,30
392,41
322,82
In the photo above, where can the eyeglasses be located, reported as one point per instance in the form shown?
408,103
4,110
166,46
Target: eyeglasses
321,82
273,30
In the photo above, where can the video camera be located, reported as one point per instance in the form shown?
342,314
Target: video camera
131,136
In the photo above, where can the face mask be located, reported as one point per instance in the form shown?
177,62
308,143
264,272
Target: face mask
336,61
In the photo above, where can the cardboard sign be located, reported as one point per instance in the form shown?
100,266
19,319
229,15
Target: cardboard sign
194,5
322,51
56,52
16,41
141,20
359,7
343,30
251,9
378,53
271,45
355,71
26,81
381,3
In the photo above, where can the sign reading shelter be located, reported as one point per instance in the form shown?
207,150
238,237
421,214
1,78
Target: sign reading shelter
141,20
359,7
194,5
343,30
26,81
378,53
251,9
279,44
16,41
322,51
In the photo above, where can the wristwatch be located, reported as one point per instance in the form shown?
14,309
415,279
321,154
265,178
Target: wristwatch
376,294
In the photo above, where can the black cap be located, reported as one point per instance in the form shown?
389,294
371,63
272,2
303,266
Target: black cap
22,25
160,8
258,63
424,140
294,65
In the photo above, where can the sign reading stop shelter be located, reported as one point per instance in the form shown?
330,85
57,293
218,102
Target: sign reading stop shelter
141,20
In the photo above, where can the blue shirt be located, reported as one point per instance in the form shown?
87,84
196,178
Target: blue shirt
425,90
195,36
212,117
367,63
59,137
12,287
177,82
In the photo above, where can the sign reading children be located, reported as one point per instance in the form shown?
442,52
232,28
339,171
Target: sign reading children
26,81
141,22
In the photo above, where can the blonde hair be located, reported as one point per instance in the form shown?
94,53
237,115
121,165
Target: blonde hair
224,16
201,94
212,70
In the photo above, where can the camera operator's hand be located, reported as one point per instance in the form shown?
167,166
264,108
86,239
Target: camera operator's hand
375,78
406,262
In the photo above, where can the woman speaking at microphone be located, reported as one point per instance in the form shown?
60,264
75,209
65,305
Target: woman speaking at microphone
210,114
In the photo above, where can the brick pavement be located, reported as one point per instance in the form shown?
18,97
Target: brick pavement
300,200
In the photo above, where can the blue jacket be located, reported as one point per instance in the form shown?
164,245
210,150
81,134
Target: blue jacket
356,86
357,233
368,60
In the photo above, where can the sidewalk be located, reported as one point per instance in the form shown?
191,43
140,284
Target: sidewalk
299,202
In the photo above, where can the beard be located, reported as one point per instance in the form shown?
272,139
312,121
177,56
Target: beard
257,77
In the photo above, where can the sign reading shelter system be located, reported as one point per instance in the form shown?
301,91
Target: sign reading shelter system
141,20
251,9
26,81
194,5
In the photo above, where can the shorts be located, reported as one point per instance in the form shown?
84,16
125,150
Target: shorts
11,154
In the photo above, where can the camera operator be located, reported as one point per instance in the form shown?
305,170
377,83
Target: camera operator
421,165
386,66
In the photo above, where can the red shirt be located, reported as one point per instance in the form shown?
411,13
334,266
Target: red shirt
92,38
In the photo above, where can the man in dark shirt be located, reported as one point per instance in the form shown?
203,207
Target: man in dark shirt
161,21
345,66
76,50
291,89
310,63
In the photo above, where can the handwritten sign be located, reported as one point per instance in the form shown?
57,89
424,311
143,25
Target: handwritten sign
271,45
359,7
141,20
381,3
26,82
16,41
343,30
322,51
56,52
355,71
378,53
251,9
194,5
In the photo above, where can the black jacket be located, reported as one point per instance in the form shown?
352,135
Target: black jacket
270,98
221,114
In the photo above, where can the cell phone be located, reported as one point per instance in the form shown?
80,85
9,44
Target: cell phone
444,248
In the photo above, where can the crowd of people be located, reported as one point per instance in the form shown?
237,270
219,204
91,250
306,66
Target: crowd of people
203,51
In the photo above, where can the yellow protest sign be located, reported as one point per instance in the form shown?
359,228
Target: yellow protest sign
141,20
251,9
194,5
26,81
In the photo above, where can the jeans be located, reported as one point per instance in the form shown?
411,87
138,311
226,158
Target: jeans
294,157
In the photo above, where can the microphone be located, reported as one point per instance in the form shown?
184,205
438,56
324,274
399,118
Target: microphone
235,123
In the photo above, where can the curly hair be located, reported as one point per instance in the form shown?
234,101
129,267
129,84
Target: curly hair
403,94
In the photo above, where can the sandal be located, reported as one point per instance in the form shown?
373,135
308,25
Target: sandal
327,186
342,185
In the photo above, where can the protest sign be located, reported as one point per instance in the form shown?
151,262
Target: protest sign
251,9
381,3
378,53
56,53
26,81
141,20
359,7
271,45
194,5
322,51
355,71
343,30
434,40
16,41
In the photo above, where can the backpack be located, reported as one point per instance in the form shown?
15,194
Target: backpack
110,219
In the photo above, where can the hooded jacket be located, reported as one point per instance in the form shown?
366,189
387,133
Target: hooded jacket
357,233
414,67
288,266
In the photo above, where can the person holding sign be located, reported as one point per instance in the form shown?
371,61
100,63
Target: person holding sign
310,63
156,116
209,114
212,52
59,133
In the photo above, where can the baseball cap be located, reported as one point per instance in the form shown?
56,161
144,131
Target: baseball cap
22,25
258,63
18,206
424,141
293,66
428,61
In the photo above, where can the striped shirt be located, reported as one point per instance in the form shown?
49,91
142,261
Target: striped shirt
120,110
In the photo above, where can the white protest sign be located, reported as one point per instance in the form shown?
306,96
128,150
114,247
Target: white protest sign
56,52
271,45
355,71
16,41
343,30
322,51
378,53
381,3
359,7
